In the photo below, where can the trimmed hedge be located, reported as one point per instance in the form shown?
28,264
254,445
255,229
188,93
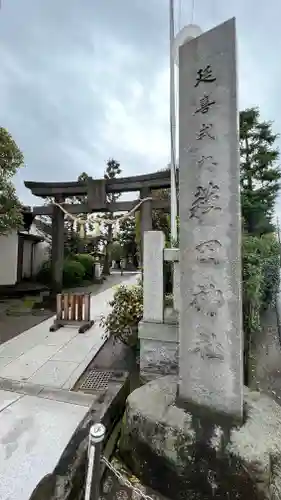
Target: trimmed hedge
74,273
87,262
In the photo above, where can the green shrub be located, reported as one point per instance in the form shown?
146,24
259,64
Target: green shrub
252,283
270,269
73,273
126,312
87,262
261,267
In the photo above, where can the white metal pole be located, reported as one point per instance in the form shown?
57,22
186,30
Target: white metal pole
96,436
173,128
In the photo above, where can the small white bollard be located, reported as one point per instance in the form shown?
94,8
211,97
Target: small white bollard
96,436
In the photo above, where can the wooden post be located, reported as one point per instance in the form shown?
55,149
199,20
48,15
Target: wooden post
57,255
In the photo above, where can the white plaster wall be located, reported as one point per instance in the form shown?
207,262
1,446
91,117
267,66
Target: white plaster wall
41,255
8,258
41,250
27,259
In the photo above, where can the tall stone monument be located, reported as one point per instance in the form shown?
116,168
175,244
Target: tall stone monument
182,447
210,360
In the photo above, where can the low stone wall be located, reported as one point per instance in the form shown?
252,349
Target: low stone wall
67,481
181,456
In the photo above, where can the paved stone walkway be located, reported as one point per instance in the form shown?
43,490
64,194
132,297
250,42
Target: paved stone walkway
13,325
38,415
55,359
33,434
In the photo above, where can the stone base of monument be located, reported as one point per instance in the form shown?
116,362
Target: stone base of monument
159,347
170,451
98,280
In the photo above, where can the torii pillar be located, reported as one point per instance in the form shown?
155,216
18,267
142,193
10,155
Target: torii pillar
57,254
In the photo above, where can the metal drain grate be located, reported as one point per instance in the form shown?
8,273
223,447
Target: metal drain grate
96,380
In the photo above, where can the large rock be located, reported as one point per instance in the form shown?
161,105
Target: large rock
181,457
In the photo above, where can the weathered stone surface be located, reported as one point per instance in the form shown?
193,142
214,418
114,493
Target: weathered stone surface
153,286
211,314
158,349
182,457
157,359
176,286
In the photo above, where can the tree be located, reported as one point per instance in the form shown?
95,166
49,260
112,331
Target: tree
161,220
116,251
11,159
112,171
127,238
260,175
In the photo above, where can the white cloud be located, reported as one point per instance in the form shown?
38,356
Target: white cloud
84,81
139,124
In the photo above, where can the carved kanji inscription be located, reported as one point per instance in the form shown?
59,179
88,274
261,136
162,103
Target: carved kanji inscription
209,251
205,75
208,299
206,161
205,104
205,132
208,347
205,200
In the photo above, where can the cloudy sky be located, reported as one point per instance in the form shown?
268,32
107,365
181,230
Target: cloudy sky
85,80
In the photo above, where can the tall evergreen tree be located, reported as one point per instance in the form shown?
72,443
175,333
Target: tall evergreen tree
260,174
112,171
11,159
127,238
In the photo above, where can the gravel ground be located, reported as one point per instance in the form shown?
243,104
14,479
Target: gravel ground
267,353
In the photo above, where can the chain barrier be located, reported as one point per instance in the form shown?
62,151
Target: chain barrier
123,480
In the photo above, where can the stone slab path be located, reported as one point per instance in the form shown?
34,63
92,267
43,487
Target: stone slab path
56,359
38,412
13,325
33,434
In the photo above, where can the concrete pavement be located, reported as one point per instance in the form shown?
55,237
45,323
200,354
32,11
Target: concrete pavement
38,412
56,359
33,434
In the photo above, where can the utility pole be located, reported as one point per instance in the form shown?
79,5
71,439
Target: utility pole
174,207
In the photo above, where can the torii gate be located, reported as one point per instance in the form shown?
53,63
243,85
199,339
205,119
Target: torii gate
96,191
